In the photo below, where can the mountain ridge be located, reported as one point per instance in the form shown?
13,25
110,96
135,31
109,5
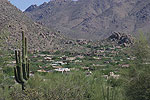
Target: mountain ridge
40,38
91,19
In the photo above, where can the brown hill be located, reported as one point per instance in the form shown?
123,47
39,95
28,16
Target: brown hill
93,19
13,22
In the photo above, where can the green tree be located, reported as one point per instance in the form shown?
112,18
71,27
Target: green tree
141,50
137,77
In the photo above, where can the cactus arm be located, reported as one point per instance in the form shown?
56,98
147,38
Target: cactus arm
28,75
27,68
27,60
24,71
19,57
16,76
16,57
17,70
24,48
19,74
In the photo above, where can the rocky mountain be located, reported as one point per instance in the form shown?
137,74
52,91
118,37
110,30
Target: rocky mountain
93,19
13,22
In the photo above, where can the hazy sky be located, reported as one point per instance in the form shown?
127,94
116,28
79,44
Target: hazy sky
23,4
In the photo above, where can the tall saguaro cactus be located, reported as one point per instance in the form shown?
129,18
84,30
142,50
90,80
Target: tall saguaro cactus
21,70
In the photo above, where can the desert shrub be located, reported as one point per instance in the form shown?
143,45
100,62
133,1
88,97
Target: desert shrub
8,70
70,86
29,94
138,87
67,86
5,92
63,86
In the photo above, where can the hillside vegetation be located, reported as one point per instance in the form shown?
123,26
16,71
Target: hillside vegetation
101,79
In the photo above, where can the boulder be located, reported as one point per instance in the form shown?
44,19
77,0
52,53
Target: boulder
121,38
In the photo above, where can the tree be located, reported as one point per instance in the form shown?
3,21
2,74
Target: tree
141,50
137,77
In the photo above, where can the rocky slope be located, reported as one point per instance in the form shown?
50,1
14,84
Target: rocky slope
93,19
13,22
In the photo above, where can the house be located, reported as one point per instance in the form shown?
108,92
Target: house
42,55
62,70
125,66
71,58
57,67
42,70
86,68
112,75
99,65
54,64
121,59
97,58
47,58
77,61
118,47
60,63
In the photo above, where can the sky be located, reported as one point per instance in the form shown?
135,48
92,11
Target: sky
24,4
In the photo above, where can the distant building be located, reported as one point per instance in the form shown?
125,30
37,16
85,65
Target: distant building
42,70
86,68
71,58
57,67
125,65
62,70
47,58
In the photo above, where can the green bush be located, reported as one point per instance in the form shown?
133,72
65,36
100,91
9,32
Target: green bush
29,94
138,87
8,70
71,86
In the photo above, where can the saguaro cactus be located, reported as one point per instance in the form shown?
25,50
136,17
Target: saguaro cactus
21,70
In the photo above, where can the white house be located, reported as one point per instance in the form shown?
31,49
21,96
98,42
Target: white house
62,70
